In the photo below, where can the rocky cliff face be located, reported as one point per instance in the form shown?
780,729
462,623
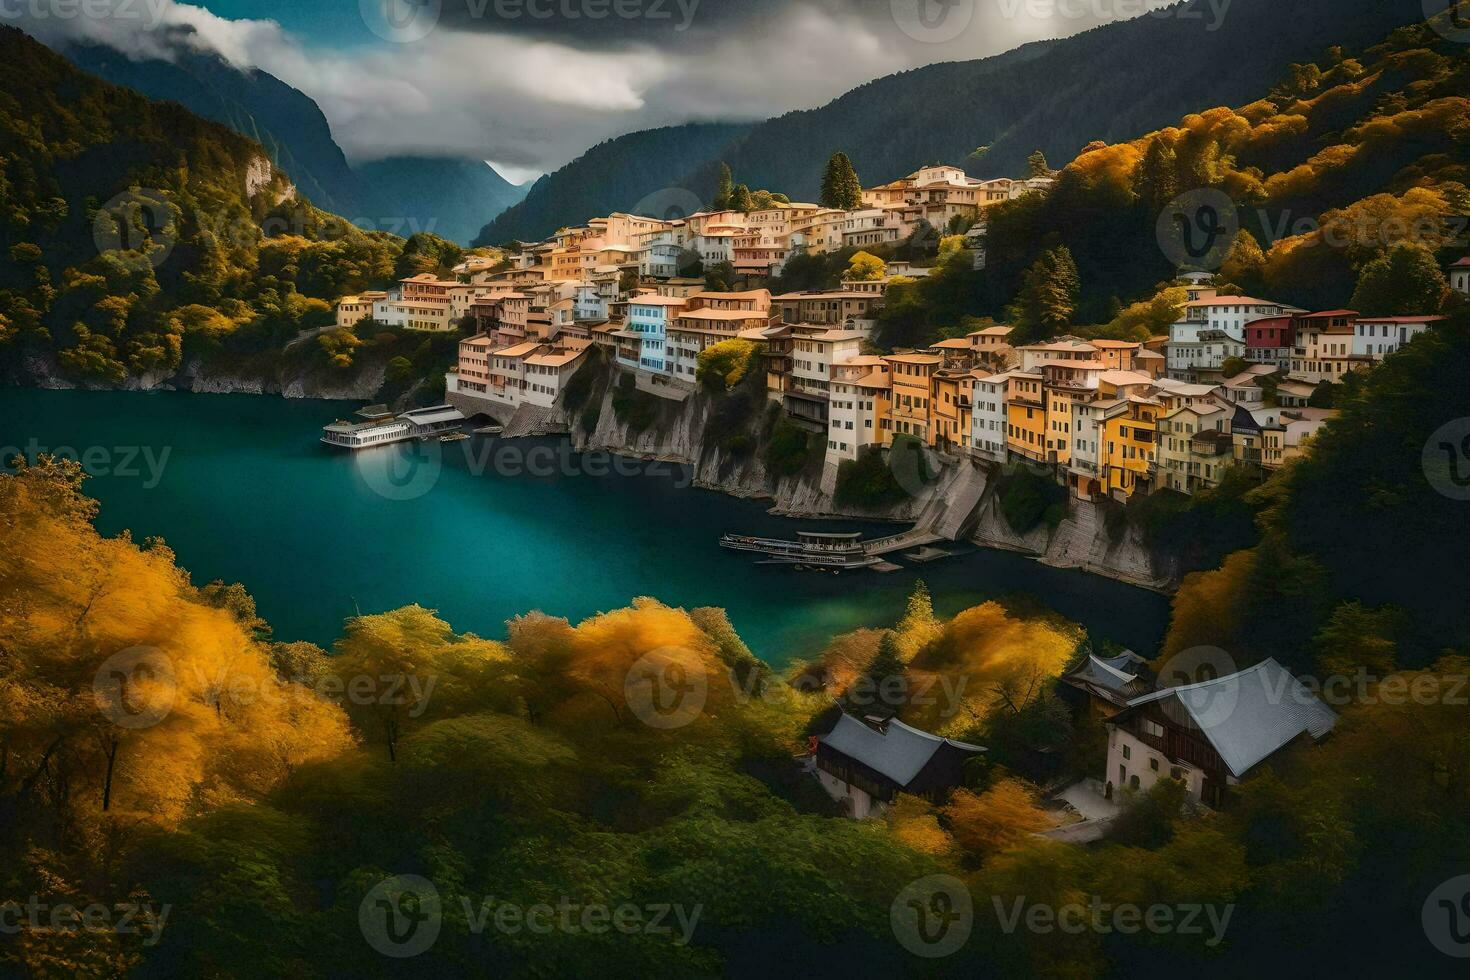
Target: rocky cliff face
360,384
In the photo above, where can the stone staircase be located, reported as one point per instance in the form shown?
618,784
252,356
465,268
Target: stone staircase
533,420
960,502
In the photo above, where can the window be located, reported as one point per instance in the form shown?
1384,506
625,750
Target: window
1153,728
1127,751
1153,764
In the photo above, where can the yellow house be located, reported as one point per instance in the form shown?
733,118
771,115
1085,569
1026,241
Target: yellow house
1025,416
953,388
911,394
1130,442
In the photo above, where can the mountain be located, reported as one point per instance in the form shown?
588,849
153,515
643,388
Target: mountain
254,103
614,175
452,197
448,197
1109,83
134,231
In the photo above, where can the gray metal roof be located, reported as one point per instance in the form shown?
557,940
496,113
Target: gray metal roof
1105,673
900,754
1249,715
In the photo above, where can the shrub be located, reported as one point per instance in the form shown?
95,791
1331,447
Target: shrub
636,409
788,448
1027,498
723,366
871,481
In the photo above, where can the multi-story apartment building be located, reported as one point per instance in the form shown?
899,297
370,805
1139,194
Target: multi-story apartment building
1026,415
859,407
1212,332
1374,338
708,318
912,393
1269,340
814,352
649,318
988,422
832,307
1194,447
1129,444
1324,346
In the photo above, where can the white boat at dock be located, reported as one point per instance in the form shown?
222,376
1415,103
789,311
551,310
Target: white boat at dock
421,423
812,548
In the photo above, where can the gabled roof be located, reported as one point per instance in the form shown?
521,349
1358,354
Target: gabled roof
899,753
1251,714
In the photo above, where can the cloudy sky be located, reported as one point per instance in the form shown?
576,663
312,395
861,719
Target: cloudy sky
530,84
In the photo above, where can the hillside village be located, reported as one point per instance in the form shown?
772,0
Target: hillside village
1231,383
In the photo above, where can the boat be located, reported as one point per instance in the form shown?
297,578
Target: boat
421,423
817,550
454,437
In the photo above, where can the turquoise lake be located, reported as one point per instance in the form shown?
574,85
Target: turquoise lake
242,490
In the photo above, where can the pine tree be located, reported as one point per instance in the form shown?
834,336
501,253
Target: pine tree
1036,165
840,185
1158,175
882,688
1245,264
1048,298
724,189
919,626
741,199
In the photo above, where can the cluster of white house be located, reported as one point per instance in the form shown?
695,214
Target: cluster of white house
1111,417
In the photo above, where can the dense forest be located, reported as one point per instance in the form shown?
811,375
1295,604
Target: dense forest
249,798
1110,83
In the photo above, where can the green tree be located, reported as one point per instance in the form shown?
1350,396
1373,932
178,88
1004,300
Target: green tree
741,200
866,267
840,185
1157,178
882,688
724,189
1405,281
1048,297
1036,165
1245,263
